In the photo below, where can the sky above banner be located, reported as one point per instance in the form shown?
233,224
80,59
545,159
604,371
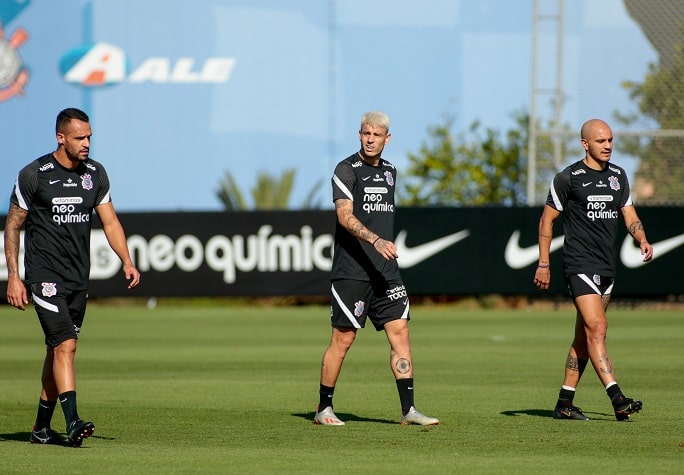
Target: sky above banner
180,92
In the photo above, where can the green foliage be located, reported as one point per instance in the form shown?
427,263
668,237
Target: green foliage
660,98
478,167
216,389
269,192
475,169
272,192
230,194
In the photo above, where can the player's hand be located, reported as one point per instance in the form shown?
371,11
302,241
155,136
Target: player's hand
542,278
16,293
386,248
646,250
132,275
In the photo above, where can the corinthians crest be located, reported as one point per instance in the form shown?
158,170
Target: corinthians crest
87,181
13,77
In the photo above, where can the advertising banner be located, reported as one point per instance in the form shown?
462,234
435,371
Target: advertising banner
442,251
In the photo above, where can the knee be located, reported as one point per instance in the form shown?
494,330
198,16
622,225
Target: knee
597,332
66,348
342,341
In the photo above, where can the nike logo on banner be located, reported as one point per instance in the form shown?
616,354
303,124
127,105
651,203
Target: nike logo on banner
630,254
410,256
518,257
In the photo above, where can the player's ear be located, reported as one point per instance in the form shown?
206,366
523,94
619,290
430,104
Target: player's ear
60,138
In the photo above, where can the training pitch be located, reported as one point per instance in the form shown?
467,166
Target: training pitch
205,388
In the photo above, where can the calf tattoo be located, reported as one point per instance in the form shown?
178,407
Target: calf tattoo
403,366
576,364
605,366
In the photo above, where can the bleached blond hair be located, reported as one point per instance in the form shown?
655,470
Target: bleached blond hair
375,119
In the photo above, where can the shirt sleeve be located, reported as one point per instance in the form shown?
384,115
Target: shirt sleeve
343,182
559,191
103,195
24,188
626,199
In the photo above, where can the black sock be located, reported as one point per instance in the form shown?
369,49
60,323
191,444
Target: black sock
44,416
614,393
405,387
325,394
565,397
68,402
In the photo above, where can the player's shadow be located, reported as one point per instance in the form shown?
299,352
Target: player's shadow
549,413
529,412
23,437
15,437
346,417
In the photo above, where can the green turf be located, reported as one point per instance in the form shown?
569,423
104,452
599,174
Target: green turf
182,389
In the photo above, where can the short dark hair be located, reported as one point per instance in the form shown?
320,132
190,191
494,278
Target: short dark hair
65,116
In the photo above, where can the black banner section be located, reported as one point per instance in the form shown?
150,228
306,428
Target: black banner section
442,251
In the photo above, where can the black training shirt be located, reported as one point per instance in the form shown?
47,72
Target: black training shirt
591,202
371,190
60,205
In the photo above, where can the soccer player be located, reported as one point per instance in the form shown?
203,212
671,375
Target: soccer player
592,193
365,274
54,196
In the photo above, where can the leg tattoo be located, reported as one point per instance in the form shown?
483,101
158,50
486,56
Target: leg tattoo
604,364
572,364
403,366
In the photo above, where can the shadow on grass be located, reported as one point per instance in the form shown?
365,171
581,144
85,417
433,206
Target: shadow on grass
346,417
15,437
549,413
23,437
529,412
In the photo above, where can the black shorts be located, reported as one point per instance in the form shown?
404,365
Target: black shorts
585,284
382,302
60,311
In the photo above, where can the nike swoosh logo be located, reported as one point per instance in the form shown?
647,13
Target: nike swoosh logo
630,254
518,257
410,256
52,182
584,185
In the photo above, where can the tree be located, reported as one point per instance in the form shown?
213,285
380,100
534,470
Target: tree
659,177
476,168
269,192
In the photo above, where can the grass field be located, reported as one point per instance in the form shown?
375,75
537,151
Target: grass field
232,389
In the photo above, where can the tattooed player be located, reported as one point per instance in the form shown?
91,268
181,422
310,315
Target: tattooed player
365,275
592,193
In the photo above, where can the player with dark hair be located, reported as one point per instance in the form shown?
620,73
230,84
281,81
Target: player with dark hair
365,276
54,197
592,193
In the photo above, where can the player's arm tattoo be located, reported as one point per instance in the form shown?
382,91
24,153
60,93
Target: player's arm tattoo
15,220
635,226
604,364
345,214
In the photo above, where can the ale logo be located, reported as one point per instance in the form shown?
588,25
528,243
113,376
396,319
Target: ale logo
103,64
